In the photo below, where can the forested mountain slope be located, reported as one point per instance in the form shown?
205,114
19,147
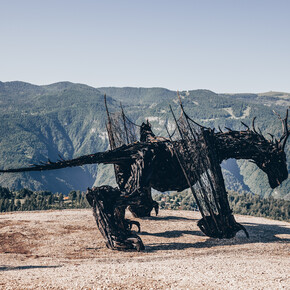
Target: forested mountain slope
67,119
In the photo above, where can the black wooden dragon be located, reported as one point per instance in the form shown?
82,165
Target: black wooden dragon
190,161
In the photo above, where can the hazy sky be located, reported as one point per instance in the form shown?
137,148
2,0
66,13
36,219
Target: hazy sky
224,46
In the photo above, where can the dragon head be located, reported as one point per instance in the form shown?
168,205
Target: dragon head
274,165
146,131
273,161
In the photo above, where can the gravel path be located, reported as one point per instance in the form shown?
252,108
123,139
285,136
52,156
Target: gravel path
64,250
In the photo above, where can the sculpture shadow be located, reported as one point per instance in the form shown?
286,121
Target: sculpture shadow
11,268
259,233
172,234
167,218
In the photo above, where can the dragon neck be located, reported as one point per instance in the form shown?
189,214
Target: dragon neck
241,145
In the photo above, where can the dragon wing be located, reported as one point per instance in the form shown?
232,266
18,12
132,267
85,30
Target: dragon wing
124,154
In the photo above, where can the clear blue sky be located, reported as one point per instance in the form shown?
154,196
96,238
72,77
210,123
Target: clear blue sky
224,46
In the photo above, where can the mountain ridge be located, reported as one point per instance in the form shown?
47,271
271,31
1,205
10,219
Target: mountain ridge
40,122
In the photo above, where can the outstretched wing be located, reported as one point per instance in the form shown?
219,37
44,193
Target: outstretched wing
123,141
121,130
120,155
50,165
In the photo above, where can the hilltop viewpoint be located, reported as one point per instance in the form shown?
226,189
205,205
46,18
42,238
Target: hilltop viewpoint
64,250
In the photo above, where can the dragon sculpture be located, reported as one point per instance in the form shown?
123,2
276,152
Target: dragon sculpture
191,160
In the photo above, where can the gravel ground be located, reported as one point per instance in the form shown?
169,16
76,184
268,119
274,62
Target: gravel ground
64,250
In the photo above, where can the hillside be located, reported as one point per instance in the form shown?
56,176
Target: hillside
43,122
67,119
64,250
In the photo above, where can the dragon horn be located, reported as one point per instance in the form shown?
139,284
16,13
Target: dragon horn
285,129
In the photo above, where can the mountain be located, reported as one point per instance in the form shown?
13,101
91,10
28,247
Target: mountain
68,119
40,122
268,99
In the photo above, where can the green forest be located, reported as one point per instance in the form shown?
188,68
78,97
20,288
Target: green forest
241,203
27,200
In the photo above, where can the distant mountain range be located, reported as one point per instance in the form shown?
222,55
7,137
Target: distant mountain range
67,119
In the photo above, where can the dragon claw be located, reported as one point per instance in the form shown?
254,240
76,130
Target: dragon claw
132,242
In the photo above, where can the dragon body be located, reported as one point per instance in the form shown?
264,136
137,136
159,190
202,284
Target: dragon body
192,161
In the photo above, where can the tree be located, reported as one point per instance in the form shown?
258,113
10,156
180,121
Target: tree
5,192
18,205
72,195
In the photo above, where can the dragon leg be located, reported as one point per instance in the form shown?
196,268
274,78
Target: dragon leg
138,185
109,211
146,205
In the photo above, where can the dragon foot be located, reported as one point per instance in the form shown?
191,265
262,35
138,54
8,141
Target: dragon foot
132,242
144,210
221,227
110,219
131,223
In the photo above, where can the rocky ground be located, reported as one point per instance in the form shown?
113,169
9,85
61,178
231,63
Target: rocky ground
64,250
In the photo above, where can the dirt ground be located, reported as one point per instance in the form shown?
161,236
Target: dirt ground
64,250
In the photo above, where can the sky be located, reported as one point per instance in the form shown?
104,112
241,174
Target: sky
221,45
